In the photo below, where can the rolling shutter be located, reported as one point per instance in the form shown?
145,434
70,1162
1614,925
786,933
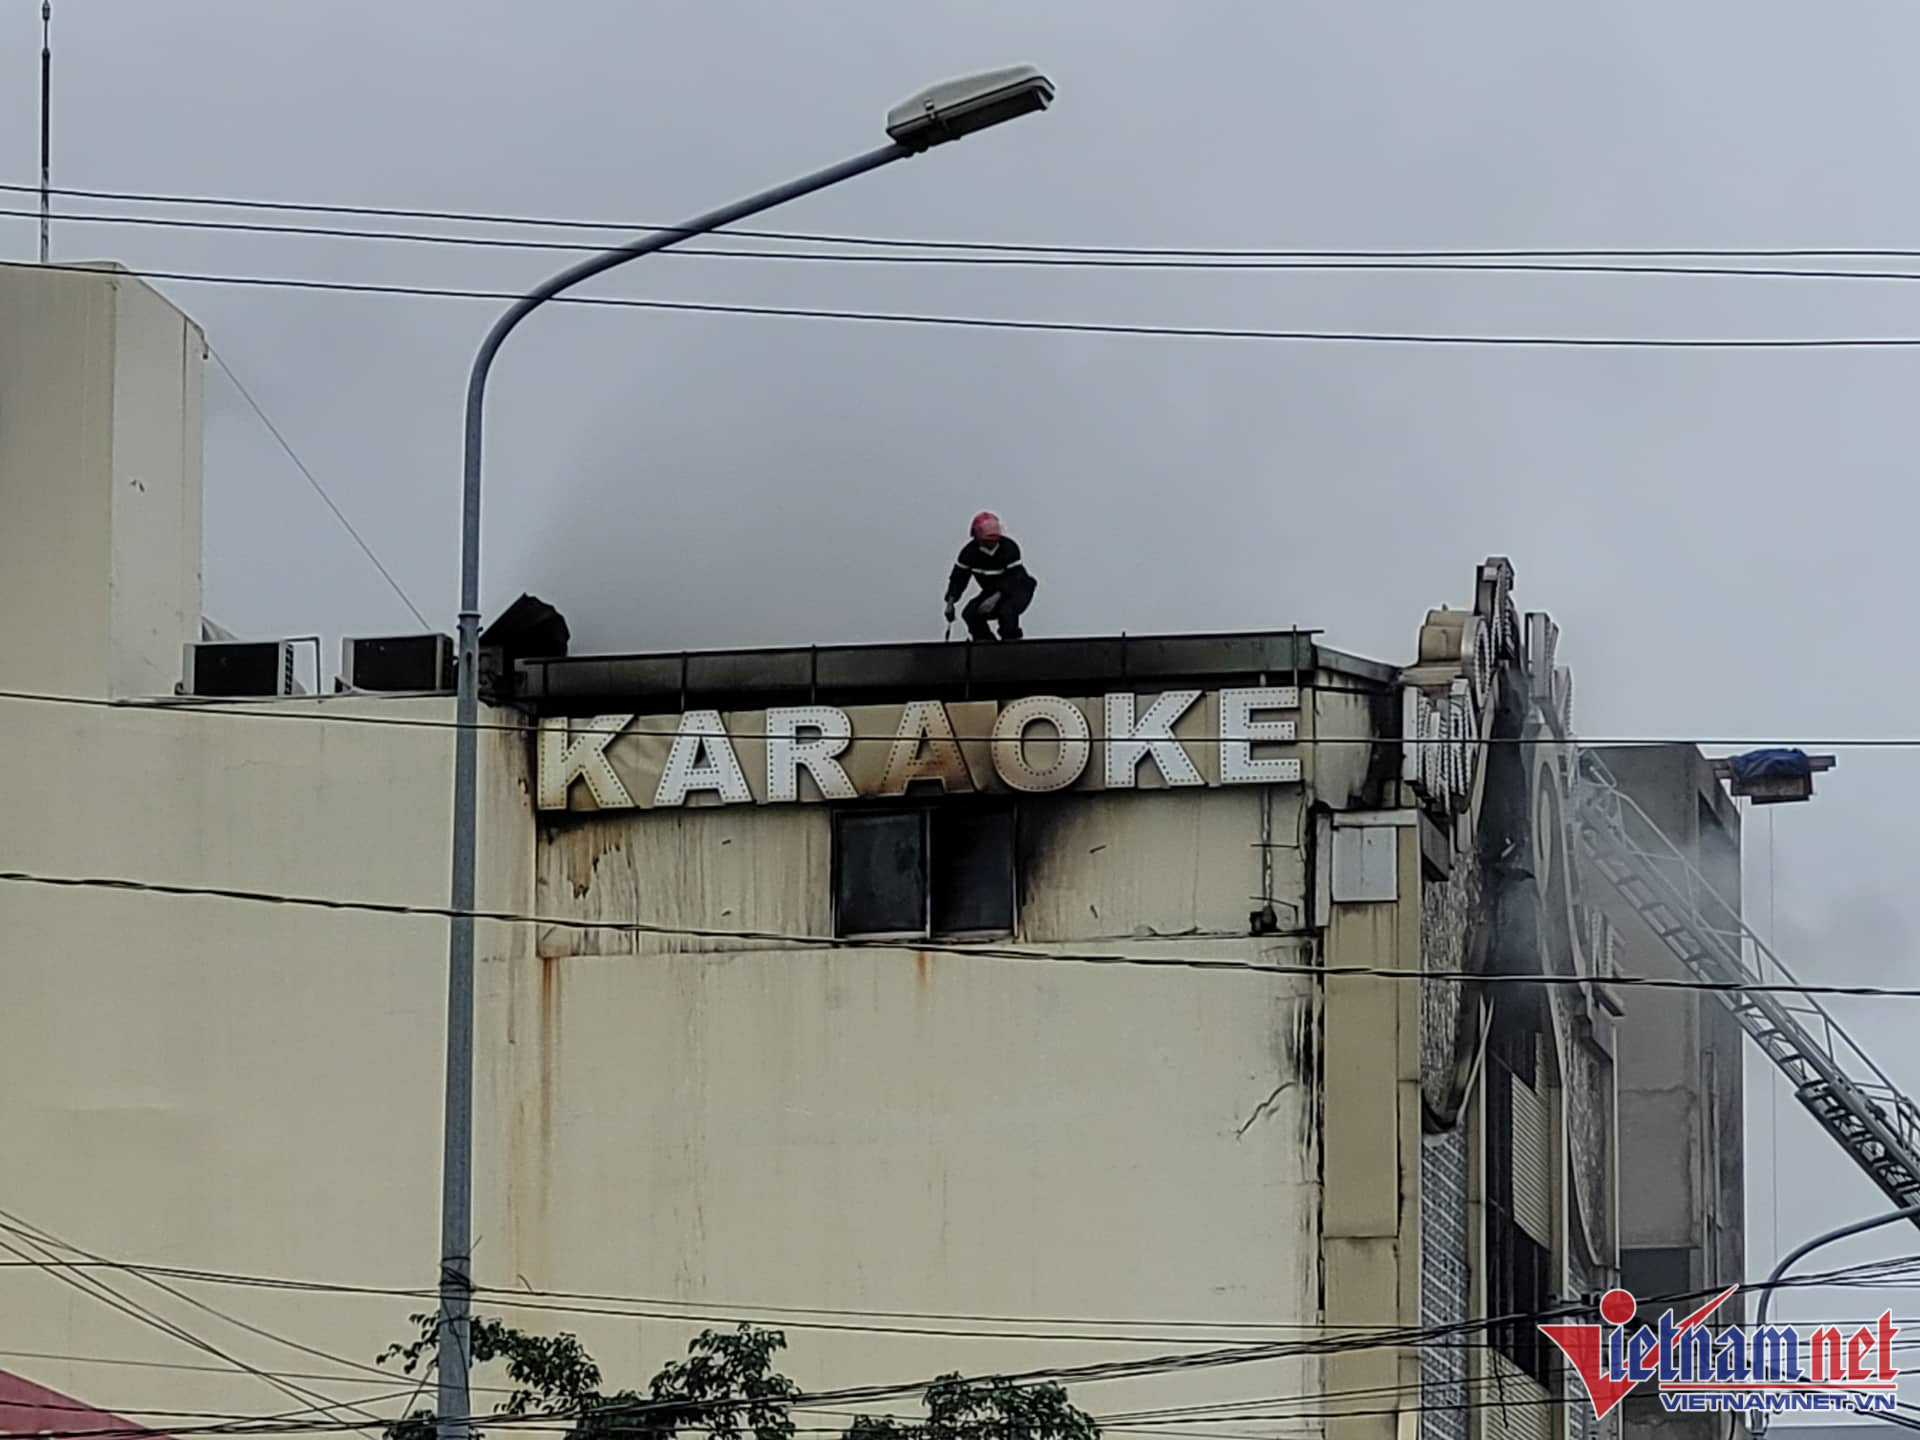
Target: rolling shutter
1532,1168
1515,1405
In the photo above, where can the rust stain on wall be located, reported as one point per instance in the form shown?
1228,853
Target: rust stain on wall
920,968
549,1049
535,1180
581,847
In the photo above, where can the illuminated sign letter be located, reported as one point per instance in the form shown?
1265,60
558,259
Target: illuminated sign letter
1240,732
1010,747
565,758
1439,742
786,752
701,734
924,723
1129,743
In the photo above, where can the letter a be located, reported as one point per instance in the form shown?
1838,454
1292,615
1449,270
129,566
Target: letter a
924,725
701,733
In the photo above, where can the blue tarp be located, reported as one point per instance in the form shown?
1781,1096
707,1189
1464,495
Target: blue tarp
1781,764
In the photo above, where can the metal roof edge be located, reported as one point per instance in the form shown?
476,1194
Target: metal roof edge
1062,665
1342,662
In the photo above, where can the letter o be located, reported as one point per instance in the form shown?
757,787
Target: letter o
1010,748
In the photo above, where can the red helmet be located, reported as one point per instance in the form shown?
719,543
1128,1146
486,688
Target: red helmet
986,526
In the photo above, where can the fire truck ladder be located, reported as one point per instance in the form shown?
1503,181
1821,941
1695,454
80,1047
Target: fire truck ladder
1838,1083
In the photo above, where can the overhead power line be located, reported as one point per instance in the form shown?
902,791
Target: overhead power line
1302,1407
1109,1370
471,217
1216,1332
158,1412
541,1420
1466,263
318,488
66,1357
785,939
1066,327
113,1299
1413,1336
279,708
1873,1274
1204,1413
790,1316
43,1238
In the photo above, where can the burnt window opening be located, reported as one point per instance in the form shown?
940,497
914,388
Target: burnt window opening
928,870
1519,1278
1513,1038
1658,1273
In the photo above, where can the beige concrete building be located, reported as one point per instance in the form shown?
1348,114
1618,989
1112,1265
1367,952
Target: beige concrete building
183,1079
1085,1006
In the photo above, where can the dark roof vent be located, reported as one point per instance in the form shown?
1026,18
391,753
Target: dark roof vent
528,629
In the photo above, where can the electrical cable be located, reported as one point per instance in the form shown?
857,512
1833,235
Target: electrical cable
1112,1370
793,1318
135,1363
318,488
1225,1411
780,938
1115,1425
983,952
114,1300
235,1417
1102,1370
22,1229
294,707
816,237
1194,1414
1874,1274
679,1406
1904,1421
1066,327
80,1408
1302,263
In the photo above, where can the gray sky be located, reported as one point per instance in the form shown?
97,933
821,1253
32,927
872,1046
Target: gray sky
1726,538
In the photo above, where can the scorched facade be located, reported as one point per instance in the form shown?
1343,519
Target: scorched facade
1104,1000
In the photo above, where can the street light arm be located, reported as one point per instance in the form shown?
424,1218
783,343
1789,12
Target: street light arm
456,1193
1800,1252
935,117
586,270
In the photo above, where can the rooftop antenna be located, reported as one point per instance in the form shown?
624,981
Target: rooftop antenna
46,125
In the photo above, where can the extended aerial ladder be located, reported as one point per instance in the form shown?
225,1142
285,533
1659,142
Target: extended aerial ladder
1852,1098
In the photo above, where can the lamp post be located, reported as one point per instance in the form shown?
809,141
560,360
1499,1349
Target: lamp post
1799,1252
944,113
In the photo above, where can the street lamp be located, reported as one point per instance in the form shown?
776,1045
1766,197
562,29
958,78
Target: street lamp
1799,1252
943,113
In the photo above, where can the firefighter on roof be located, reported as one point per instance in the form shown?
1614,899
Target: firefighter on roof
992,560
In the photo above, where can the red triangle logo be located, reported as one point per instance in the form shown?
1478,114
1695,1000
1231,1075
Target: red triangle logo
1581,1345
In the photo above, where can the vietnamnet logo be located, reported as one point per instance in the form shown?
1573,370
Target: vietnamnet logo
1775,1367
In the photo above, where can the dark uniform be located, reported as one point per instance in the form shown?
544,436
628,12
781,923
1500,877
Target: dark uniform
1006,589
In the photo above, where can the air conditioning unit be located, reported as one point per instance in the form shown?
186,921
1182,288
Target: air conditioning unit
236,669
398,663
